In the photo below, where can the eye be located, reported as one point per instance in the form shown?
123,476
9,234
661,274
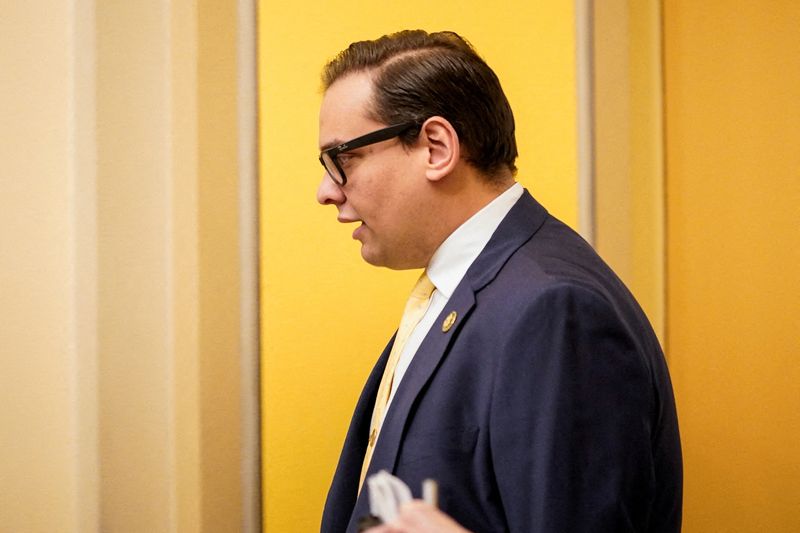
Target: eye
345,159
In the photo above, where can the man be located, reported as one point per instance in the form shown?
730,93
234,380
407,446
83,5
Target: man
524,377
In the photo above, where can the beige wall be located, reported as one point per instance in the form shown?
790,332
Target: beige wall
46,445
126,367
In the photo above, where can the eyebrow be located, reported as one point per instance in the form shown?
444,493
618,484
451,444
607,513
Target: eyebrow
331,144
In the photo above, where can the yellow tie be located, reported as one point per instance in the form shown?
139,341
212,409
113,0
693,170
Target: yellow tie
415,309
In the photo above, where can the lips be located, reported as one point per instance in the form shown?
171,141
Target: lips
348,220
357,231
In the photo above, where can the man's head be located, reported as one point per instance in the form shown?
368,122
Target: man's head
454,148
417,75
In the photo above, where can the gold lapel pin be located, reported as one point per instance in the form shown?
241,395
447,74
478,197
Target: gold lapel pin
449,321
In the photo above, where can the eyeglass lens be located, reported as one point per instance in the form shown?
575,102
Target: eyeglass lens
332,169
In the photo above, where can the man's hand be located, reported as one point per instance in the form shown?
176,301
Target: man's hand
417,516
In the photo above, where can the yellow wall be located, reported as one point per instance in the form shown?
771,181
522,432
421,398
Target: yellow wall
325,314
732,73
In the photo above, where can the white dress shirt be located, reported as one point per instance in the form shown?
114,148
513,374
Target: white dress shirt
448,266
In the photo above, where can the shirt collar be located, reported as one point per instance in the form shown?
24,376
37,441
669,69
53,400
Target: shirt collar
454,256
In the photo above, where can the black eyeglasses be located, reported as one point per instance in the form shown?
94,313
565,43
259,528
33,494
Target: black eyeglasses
329,157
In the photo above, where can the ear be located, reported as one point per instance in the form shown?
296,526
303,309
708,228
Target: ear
442,147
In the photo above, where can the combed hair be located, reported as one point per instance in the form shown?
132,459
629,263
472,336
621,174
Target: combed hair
417,75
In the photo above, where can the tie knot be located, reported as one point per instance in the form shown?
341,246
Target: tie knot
423,288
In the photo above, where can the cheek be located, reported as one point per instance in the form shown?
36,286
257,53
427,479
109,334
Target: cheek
371,197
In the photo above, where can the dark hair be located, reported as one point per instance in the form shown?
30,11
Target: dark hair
417,75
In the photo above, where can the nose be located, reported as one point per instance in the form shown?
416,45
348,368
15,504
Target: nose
329,192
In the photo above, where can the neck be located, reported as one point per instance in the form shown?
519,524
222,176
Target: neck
472,191
459,197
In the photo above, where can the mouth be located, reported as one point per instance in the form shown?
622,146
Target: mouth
358,231
347,220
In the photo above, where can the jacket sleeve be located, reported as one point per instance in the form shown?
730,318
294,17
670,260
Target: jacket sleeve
571,418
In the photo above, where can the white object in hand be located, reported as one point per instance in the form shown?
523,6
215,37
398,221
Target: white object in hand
386,494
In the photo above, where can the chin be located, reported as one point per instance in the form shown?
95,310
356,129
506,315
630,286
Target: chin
371,257
378,258
396,264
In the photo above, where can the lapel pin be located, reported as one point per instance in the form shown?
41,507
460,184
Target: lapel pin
449,321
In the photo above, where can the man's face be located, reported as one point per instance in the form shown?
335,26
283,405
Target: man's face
386,187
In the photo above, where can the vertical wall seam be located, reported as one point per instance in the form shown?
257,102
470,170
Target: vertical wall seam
584,76
169,267
662,57
71,275
82,276
247,110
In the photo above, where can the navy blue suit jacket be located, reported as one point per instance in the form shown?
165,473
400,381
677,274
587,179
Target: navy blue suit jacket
547,407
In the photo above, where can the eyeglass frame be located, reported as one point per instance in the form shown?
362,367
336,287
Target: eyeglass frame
383,134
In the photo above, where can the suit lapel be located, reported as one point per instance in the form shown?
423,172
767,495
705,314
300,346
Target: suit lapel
427,358
524,219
